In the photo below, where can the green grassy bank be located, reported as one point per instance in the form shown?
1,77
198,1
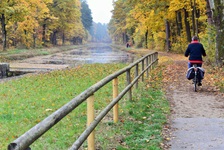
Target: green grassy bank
28,100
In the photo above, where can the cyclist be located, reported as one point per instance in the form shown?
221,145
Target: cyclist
196,51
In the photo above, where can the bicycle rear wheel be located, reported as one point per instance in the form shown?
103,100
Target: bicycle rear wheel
195,84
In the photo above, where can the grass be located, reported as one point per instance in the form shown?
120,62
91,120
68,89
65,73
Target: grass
18,54
28,100
141,120
147,115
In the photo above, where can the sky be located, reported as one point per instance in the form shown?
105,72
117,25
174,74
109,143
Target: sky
101,10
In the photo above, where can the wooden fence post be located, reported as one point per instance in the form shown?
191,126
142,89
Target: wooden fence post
147,64
156,58
151,57
136,74
115,94
143,70
90,118
128,76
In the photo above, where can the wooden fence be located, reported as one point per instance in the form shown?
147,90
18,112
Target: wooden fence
147,63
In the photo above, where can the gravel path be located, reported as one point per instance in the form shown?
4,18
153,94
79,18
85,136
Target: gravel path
197,119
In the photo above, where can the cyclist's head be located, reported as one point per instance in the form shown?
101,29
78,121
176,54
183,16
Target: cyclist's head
194,38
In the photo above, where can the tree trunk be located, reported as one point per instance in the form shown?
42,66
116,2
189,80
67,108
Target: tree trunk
179,22
209,12
219,23
197,15
14,39
168,46
4,33
146,39
44,34
34,41
210,22
34,38
124,38
187,25
54,38
193,17
63,39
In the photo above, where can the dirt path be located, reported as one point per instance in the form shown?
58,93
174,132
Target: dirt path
197,118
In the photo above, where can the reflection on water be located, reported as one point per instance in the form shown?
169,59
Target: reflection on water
101,55
92,55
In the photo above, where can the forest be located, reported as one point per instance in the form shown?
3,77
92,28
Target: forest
170,24
44,23
166,25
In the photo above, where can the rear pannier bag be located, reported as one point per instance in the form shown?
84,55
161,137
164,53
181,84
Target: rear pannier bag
190,73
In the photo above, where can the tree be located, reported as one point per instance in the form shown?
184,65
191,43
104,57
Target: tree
187,25
32,23
218,16
150,18
30,29
117,25
10,11
87,19
3,24
189,20
100,33
168,46
21,21
68,23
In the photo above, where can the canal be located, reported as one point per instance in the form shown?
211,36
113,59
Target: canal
101,53
90,55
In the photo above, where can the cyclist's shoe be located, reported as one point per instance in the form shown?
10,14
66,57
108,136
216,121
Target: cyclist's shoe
199,84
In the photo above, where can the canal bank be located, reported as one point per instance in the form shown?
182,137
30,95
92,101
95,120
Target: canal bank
21,62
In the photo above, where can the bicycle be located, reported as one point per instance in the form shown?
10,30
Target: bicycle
195,73
195,79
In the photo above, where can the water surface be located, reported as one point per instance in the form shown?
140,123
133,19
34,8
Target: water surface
90,55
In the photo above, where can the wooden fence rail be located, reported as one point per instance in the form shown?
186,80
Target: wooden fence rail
24,141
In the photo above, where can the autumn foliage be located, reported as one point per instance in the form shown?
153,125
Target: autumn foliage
158,24
34,23
168,25
173,68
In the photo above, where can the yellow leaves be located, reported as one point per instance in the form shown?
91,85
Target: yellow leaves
38,120
214,78
47,1
27,18
14,136
144,118
176,5
49,109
